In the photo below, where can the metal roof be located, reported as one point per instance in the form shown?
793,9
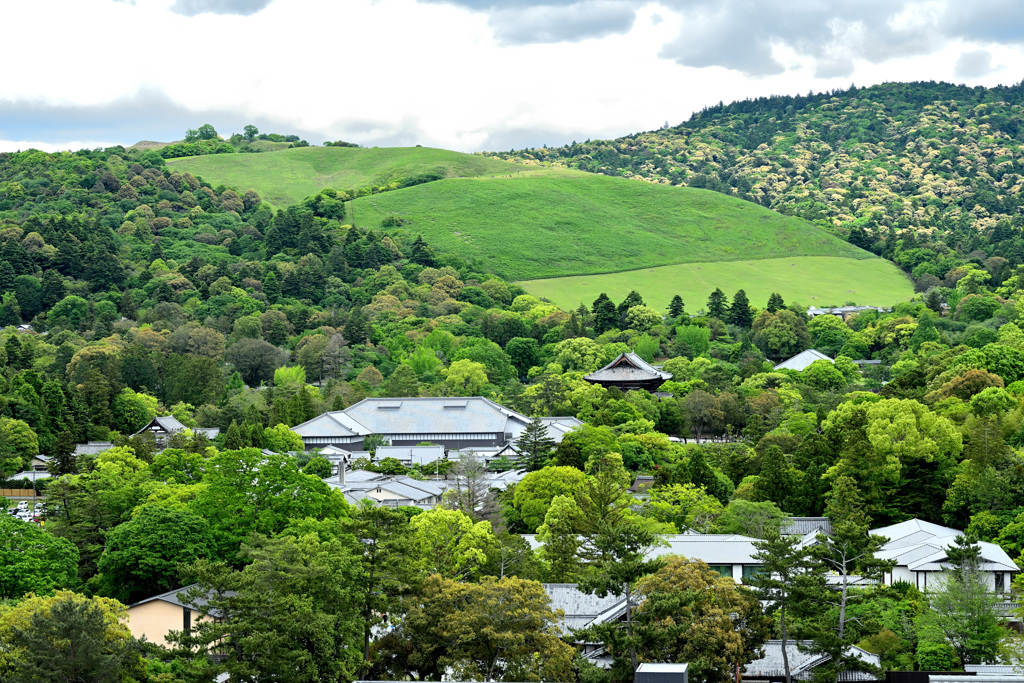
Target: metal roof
417,455
802,360
801,526
580,608
922,546
336,423
995,669
710,548
802,663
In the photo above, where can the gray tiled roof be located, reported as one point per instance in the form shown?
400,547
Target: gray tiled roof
472,415
922,546
801,663
711,548
30,474
417,455
580,608
997,669
801,526
93,447
628,367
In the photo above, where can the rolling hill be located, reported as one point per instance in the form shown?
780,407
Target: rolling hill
287,176
529,223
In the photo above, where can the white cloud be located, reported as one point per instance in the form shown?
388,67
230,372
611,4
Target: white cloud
455,74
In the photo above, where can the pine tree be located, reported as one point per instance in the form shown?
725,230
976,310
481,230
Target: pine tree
675,308
63,461
924,332
535,445
934,302
7,276
605,316
776,482
272,285
632,299
775,303
717,308
234,440
740,313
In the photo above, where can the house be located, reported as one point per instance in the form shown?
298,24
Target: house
40,463
802,360
163,426
390,491
802,664
157,616
627,372
920,551
454,423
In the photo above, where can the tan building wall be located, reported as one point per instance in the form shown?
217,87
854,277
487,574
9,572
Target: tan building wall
155,619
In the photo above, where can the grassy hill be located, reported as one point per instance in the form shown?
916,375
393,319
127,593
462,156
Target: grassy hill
549,223
808,280
941,160
288,176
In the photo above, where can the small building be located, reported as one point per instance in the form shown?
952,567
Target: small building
157,616
802,360
844,312
801,526
163,426
920,550
40,463
627,372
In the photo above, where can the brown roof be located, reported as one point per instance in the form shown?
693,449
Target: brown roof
628,367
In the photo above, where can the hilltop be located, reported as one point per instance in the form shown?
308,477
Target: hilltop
287,176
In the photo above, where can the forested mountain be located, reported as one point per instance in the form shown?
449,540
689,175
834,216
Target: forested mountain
931,164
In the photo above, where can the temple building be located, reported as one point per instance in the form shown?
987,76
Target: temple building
629,371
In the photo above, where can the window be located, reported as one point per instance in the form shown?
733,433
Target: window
751,570
1000,586
724,570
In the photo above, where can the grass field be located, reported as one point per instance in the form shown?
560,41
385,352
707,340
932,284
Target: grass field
288,176
809,280
555,222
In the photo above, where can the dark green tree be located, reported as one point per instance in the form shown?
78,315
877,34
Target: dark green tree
775,303
717,306
535,445
675,307
605,315
740,313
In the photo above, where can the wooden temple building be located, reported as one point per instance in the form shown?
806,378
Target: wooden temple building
629,371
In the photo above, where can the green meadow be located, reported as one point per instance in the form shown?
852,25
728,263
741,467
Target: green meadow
556,222
288,176
808,280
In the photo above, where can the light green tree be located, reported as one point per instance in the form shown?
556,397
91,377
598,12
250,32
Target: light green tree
450,544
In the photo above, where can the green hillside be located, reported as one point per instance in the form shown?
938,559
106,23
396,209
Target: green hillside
286,177
909,171
808,280
546,223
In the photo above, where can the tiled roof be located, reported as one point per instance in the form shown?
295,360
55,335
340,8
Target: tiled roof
417,455
922,546
801,663
93,447
628,367
711,548
580,608
801,526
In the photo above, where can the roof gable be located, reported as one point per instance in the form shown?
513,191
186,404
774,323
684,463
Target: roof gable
628,367
802,360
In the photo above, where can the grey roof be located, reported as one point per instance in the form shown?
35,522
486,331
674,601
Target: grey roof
30,474
175,597
336,424
922,546
801,526
93,447
710,548
802,360
975,678
997,669
417,455
580,608
211,432
628,367
802,663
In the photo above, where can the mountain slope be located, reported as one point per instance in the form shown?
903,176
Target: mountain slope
555,223
928,156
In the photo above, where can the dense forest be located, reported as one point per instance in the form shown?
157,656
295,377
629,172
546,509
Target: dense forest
128,290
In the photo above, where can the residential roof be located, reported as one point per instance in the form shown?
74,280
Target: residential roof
801,526
30,474
417,455
93,447
802,663
1004,669
580,608
628,367
802,360
710,548
923,546
175,597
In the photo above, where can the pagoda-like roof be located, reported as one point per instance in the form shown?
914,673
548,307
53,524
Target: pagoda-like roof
628,368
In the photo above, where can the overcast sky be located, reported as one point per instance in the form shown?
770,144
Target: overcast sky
462,74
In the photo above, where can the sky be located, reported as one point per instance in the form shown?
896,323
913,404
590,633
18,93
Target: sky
468,75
